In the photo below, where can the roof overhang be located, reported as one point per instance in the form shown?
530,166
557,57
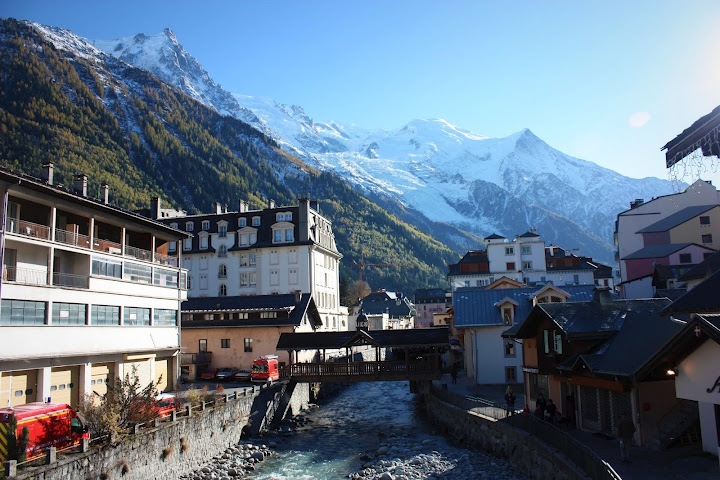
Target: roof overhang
703,134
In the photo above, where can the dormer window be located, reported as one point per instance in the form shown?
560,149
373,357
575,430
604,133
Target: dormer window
222,231
203,241
283,217
507,316
222,252
206,225
256,221
174,225
189,226
242,222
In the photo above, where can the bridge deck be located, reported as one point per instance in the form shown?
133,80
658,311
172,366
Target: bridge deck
361,371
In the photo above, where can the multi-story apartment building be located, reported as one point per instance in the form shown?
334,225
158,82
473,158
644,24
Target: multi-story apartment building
275,250
525,259
89,293
631,235
431,303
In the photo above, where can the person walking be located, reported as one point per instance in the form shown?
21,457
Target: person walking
454,372
540,402
626,432
550,411
510,401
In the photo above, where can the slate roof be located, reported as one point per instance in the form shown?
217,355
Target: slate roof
416,337
657,251
528,234
677,218
703,298
494,236
476,306
378,303
641,335
666,272
670,293
254,303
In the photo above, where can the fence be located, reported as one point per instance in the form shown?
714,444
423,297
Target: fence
584,458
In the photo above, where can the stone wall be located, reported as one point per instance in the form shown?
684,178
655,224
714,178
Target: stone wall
175,448
530,456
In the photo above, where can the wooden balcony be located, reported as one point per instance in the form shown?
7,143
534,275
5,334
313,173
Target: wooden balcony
195,358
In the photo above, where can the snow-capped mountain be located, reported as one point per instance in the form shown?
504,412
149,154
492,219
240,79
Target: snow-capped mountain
430,172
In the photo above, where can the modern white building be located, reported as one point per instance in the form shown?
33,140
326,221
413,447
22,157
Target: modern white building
274,250
89,293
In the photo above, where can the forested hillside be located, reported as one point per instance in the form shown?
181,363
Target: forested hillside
116,123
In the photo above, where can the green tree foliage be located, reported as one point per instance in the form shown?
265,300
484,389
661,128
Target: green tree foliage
17,447
119,124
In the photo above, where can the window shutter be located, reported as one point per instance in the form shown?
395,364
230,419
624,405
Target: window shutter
546,336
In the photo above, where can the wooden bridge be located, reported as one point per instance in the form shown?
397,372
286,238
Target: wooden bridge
399,355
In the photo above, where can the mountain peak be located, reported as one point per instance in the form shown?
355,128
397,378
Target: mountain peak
171,36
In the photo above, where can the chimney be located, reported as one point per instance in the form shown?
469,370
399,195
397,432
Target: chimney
243,206
271,203
47,172
155,206
105,192
298,295
80,184
315,205
602,297
218,208
636,203
304,219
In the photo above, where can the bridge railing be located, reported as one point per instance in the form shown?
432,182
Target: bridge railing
362,370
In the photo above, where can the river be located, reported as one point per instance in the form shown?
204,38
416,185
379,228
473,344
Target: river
370,431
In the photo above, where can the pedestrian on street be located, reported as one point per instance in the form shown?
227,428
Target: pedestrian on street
454,372
542,404
626,431
510,401
550,411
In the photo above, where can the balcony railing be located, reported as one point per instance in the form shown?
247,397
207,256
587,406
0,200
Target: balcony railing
26,276
72,238
71,280
107,246
195,358
166,260
139,253
28,229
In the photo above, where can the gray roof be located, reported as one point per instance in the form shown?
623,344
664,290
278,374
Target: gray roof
658,251
703,298
476,306
703,269
392,303
677,218
417,337
255,303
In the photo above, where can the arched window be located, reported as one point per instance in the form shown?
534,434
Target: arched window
222,271
223,290
222,252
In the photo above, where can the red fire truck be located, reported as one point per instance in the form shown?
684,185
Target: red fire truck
265,369
49,425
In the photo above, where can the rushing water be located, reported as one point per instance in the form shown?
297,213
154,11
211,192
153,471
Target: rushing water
342,430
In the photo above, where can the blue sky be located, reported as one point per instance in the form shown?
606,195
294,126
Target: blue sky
608,81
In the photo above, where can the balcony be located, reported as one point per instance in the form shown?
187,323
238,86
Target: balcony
25,276
72,238
139,253
28,229
107,246
195,358
71,280
166,260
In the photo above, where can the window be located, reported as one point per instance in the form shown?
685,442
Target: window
274,277
174,225
224,343
22,312
509,250
106,267
509,348
165,277
527,265
552,342
704,220
248,344
576,279
206,225
222,271
204,241
244,279
277,236
189,282
164,318
136,316
222,252
289,235
104,315
256,221
510,374
292,255
244,259
705,256
172,247
510,266
526,250
187,244
203,281
293,276
137,273
222,291
203,262
707,238
244,239
283,217
253,238
202,345
685,258
253,259
189,226
242,222
274,257
467,283
253,281
222,231
507,316
268,314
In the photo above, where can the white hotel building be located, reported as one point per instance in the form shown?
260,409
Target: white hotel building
88,293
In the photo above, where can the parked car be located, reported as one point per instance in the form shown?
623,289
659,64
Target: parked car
209,374
242,376
225,374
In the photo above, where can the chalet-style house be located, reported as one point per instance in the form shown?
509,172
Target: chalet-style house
276,250
481,314
603,358
234,331
89,293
